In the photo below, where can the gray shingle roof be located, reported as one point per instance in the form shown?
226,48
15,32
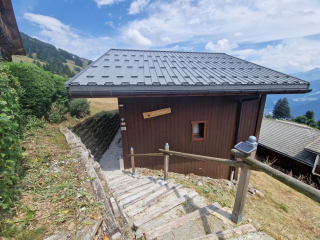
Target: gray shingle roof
314,146
289,139
145,71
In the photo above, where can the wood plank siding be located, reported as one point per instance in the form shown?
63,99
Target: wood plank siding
221,114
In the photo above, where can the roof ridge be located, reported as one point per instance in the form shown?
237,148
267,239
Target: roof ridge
293,123
148,50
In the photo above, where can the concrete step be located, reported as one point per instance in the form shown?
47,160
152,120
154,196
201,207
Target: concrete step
139,190
164,210
133,184
183,221
228,233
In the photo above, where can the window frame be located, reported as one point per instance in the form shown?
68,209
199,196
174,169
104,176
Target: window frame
193,139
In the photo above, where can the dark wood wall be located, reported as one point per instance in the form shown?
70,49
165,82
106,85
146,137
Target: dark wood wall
221,112
283,161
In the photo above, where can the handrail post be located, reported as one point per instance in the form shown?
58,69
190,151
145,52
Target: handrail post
241,195
243,184
166,163
132,162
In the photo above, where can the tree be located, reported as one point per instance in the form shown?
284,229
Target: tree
301,119
268,116
310,114
282,109
318,124
312,123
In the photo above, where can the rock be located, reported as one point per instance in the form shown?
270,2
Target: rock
96,166
145,171
251,190
260,194
71,226
200,184
116,236
235,182
229,183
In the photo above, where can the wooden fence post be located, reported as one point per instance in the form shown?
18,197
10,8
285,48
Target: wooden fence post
242,191
166,163
132,162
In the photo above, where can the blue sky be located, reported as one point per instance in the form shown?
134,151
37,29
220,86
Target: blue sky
280,34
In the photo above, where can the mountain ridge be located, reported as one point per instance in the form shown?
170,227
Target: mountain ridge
51,58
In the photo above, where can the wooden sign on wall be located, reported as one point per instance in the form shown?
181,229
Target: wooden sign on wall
156,113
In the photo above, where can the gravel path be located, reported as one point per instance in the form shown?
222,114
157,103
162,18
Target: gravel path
110,159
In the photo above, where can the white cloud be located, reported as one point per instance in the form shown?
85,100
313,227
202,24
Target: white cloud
222,45
137,6
294,55
257,21
110,23
101,3
136,37
238,34
63,36
166,39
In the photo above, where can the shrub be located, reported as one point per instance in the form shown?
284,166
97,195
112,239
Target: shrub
301,119
10,151
79,107
41,88
56,113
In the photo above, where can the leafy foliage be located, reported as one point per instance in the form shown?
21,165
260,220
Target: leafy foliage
308,119
79,107
301,119
10,151
282,109
41,88
57,112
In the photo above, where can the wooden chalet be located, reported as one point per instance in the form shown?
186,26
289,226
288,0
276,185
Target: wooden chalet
10,40
197,102
295,147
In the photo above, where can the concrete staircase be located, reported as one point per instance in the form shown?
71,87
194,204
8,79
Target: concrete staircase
158,209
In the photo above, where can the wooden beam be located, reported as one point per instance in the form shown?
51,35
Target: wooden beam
166,208
210,159
301,187
147,155
159,231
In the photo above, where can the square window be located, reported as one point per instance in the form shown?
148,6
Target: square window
198,130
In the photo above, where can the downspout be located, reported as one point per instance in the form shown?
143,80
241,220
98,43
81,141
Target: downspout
258,97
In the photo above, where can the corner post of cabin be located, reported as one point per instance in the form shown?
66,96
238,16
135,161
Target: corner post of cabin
166,163
132,161
243,184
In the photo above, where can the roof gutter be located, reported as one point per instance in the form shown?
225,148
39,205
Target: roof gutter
128,93
240,110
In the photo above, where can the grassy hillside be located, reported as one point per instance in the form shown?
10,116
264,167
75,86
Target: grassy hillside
52,59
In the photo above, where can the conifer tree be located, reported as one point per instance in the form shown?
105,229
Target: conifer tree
282,109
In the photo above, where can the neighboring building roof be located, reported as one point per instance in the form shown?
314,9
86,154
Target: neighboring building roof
314,146
143,72
289,139
9,31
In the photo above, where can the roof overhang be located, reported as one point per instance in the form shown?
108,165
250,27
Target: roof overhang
7,14
122,91
284,154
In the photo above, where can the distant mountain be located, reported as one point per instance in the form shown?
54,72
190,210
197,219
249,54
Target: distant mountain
49,57
311,75
300,103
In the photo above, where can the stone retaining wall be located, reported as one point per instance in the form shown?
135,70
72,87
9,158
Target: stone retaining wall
97,132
